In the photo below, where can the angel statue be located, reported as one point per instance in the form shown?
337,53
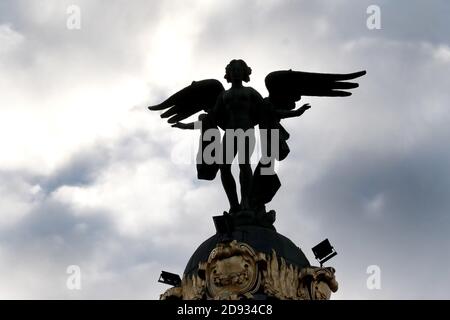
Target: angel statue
237,111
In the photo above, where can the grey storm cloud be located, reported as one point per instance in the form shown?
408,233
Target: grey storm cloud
84,166
54,235
371,170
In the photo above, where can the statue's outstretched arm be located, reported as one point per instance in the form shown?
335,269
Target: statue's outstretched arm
283,114
188,126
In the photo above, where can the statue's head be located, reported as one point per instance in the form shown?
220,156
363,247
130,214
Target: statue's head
237,69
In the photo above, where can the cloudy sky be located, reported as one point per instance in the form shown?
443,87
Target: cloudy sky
89,177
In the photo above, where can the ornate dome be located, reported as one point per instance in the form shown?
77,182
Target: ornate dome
260,238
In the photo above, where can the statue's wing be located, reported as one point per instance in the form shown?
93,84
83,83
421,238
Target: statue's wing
286,86
200,95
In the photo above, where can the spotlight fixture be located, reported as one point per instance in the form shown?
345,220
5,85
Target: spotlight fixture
170,278
324,251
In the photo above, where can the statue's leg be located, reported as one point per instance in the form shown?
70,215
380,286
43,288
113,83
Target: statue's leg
245,179
246,173
229,185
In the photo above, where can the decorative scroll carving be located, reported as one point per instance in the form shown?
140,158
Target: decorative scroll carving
232,270
318,282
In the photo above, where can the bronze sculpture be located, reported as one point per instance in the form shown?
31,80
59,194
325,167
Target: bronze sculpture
241,108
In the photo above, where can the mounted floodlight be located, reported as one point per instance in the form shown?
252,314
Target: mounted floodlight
324,251
170,278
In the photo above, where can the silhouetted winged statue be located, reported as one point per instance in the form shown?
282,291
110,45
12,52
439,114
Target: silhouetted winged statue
242,108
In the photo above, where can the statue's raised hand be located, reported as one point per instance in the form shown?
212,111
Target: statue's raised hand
302,109
181,125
